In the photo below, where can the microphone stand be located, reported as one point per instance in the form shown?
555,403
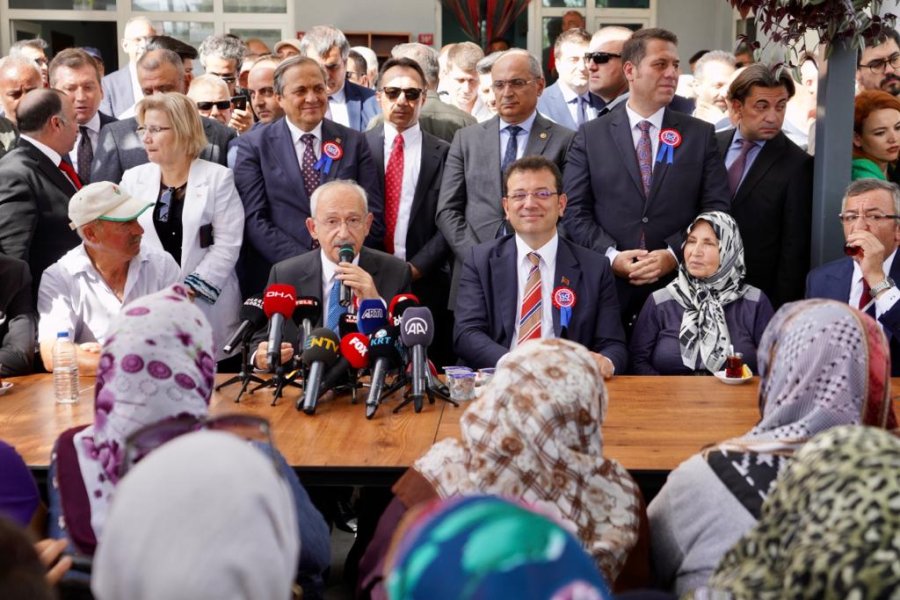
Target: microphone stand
246,376
432,388
279,381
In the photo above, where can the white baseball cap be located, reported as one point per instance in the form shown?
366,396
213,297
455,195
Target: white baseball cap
106,201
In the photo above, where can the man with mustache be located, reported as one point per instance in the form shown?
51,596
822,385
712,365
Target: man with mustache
879,64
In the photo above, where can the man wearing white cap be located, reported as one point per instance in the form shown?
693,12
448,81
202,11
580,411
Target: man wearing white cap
84,289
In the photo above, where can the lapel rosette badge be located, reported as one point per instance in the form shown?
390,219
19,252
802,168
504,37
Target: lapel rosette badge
669,139
331,151
564,300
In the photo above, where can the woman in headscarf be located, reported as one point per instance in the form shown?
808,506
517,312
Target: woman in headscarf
205,516
689,326
534,435
829,530
822,364
488,547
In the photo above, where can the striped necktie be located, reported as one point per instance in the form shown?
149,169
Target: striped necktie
532,313
335,310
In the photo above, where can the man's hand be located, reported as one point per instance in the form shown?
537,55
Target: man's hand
648,269
871,261
357,279
261,359
416,273
241,120
626,262
606,366
49,550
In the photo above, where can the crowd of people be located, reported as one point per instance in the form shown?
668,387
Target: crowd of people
565,234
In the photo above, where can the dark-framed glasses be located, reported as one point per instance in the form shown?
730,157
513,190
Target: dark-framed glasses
221,105
517,84
874,218
878,65
411,94
600,58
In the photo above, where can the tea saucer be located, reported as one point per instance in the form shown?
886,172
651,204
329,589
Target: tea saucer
720,375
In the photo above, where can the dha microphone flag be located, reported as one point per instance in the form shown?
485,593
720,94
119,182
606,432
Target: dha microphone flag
278,304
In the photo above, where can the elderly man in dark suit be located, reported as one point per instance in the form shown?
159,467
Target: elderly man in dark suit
120,148
349,104
637,177
469,210
121,89
36,184
870,214
536,284
339,217
771,180
279,166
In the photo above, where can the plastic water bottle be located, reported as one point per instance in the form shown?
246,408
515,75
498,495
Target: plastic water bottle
65,369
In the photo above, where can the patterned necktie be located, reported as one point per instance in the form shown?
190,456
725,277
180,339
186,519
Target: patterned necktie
866,296
645,156
67,169
335,310
308,164
578,101
85,155
512,147
393,185
532,313
736,170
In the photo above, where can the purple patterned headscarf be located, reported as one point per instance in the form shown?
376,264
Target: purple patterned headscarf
156,363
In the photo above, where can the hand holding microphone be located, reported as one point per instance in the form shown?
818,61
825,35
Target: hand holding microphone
354,279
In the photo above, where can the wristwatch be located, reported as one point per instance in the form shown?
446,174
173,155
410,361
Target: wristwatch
876,289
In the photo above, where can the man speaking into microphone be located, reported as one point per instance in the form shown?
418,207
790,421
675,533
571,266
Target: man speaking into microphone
340,220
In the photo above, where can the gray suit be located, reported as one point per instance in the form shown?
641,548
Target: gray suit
120,148
469,206
118,95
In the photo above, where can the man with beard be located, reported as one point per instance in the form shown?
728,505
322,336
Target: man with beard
879,65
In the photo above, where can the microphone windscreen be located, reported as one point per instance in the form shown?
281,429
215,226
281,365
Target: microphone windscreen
307,307
279,298
346,253
355,348
382,346
372,315
401,302
347,324
417,326
252,310
322,345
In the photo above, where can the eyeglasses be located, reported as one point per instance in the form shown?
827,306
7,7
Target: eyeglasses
146,439
165,205
151,129
221,105
874,218
879,64
521,196
412,94
350,222
516,84
600,58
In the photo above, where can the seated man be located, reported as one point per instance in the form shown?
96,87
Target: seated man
535,284
84,289
869,214
340,216
17,319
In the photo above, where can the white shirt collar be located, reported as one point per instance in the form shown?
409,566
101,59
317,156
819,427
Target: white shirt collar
655,119
525,125
94,124
296,132
50,153
411,136
329,267
547,252
568,93
339,96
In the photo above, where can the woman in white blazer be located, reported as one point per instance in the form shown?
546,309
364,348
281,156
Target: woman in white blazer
198,216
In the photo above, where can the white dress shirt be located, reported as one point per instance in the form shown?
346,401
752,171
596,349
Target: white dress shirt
412,163
886,300
569,96
300,145
521,139
547,267
337,108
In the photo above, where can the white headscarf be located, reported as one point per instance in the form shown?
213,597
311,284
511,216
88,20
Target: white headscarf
204,516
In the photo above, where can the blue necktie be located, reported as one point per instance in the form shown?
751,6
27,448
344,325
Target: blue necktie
512,148
335,310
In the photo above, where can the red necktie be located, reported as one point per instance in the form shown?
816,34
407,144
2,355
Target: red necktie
532,313
70,173
866,296
393,185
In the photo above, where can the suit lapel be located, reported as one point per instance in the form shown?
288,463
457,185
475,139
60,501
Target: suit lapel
539,137
767,157
670,120
50,171
368,264
330,133
621,134
195,198
286,155
491,153
505,287
568,274
431,162
376,148
354,105
147,189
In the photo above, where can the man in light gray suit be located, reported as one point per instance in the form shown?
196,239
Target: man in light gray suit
120,87
120,147
469,207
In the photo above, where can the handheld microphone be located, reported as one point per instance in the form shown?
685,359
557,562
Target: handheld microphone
321,352
307,310
399,304
278,304
347,324
354,355
372,315
252,318
346,254
417,333
383,353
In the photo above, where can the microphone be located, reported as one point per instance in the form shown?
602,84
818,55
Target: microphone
383,352
307,310
417,333
278,304
321,351
372,315
346,254
252,318
399,304
347,324
354,355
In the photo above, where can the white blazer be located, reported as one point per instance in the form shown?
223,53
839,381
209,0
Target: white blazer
210,198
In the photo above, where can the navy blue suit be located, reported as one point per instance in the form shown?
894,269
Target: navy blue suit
486,303
361,105
553,105
833,280
267,176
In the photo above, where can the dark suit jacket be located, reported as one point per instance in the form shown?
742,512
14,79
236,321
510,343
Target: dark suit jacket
34,209
267,176
9,136
553,105
486,306
833,280
304,272
361,105
105,119
120,148
773,209
18,321
118,95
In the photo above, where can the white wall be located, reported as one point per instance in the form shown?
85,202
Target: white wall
390,16
699,25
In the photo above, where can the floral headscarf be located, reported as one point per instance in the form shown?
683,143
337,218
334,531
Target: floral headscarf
535,435
157,362
703,327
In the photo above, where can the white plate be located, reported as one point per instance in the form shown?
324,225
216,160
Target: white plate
720,375
7,385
